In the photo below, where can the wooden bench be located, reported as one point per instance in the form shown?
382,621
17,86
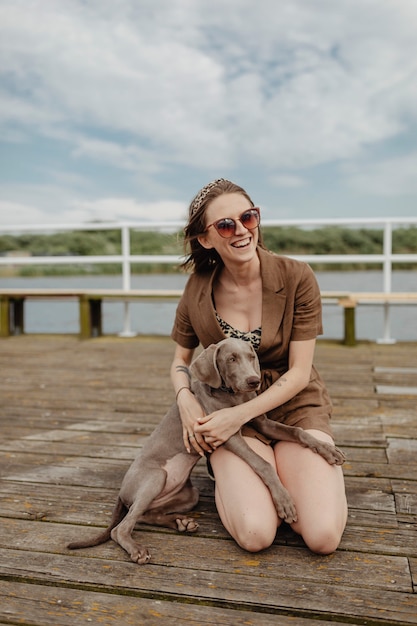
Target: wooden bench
90,305
350,300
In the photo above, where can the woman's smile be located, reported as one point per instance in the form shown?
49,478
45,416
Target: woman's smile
242,243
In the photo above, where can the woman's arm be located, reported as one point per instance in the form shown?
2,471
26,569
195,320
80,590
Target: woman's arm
189,407
220,425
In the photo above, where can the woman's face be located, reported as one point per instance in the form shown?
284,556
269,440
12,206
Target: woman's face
241,247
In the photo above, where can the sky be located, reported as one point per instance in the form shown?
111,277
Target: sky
123,109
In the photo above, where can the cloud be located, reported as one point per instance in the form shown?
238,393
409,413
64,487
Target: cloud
195,82
118,99
49,204
126,157
125,209
12,213
388,177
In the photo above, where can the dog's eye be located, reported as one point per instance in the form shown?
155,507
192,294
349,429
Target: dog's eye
232,358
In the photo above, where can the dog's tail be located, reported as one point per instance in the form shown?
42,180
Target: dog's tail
119,512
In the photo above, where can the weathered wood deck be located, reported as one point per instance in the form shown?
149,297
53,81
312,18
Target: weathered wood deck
72,415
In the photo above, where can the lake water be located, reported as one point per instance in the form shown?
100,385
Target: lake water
157,318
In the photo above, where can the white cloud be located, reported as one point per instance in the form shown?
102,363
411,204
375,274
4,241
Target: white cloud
389,177
49,204
128,156
148,88
16,214
281,85
109,209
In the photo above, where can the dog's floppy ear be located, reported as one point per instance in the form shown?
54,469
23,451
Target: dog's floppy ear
204,367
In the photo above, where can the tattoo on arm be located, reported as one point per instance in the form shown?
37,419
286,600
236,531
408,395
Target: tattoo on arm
185,370
281,380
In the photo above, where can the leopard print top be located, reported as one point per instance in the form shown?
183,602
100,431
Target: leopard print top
252,336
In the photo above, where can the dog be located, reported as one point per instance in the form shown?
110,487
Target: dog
157,488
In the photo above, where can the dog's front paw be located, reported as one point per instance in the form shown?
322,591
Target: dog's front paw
286,508
340,456
333,455
186,524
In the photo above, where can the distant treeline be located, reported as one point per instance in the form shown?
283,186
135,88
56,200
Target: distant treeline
283,240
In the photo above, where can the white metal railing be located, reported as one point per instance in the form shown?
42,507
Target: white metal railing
386,258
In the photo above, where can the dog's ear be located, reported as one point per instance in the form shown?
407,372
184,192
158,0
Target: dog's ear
204,367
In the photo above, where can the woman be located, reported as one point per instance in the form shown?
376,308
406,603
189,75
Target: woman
238,288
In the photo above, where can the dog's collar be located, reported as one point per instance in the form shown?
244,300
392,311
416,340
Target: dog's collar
225,389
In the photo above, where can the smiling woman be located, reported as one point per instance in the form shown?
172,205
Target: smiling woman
237,286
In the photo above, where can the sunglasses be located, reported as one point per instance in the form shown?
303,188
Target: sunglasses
226,227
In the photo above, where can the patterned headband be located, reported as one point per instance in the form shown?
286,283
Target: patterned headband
198,200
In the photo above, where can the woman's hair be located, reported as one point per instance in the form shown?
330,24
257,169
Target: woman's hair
198,258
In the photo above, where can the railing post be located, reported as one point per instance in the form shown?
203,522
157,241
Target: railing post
387,250
127,331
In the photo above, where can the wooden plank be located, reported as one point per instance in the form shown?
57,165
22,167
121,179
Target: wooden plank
97,472
191,552
90,444
359,297
379,470
404,486
402,451
356,431
354,296
396,371
396,390
121,294
397,423
380,540
368,455
94,508
77,448
406,503
177,553
38,605
405,493
241,590
374,495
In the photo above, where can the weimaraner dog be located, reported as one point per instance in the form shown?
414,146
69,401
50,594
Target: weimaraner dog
157,488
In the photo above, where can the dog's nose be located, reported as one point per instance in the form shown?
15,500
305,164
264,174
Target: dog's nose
253,382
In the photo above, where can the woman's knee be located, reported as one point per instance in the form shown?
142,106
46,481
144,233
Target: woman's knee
323,541
323,536
254,536
243,501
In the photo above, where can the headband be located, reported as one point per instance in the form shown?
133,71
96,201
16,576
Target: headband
199,199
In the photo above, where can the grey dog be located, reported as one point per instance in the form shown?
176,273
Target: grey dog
157,488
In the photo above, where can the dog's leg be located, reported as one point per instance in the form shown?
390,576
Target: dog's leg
282,432
148,488
282,500
171,514
119,513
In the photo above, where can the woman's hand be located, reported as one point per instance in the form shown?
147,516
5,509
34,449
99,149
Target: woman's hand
189,407
190,411
218,427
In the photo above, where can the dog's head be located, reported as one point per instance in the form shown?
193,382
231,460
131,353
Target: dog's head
231,363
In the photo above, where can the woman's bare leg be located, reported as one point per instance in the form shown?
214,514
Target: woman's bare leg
318,491
243,501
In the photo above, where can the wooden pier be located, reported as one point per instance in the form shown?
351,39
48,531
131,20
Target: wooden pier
72,416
